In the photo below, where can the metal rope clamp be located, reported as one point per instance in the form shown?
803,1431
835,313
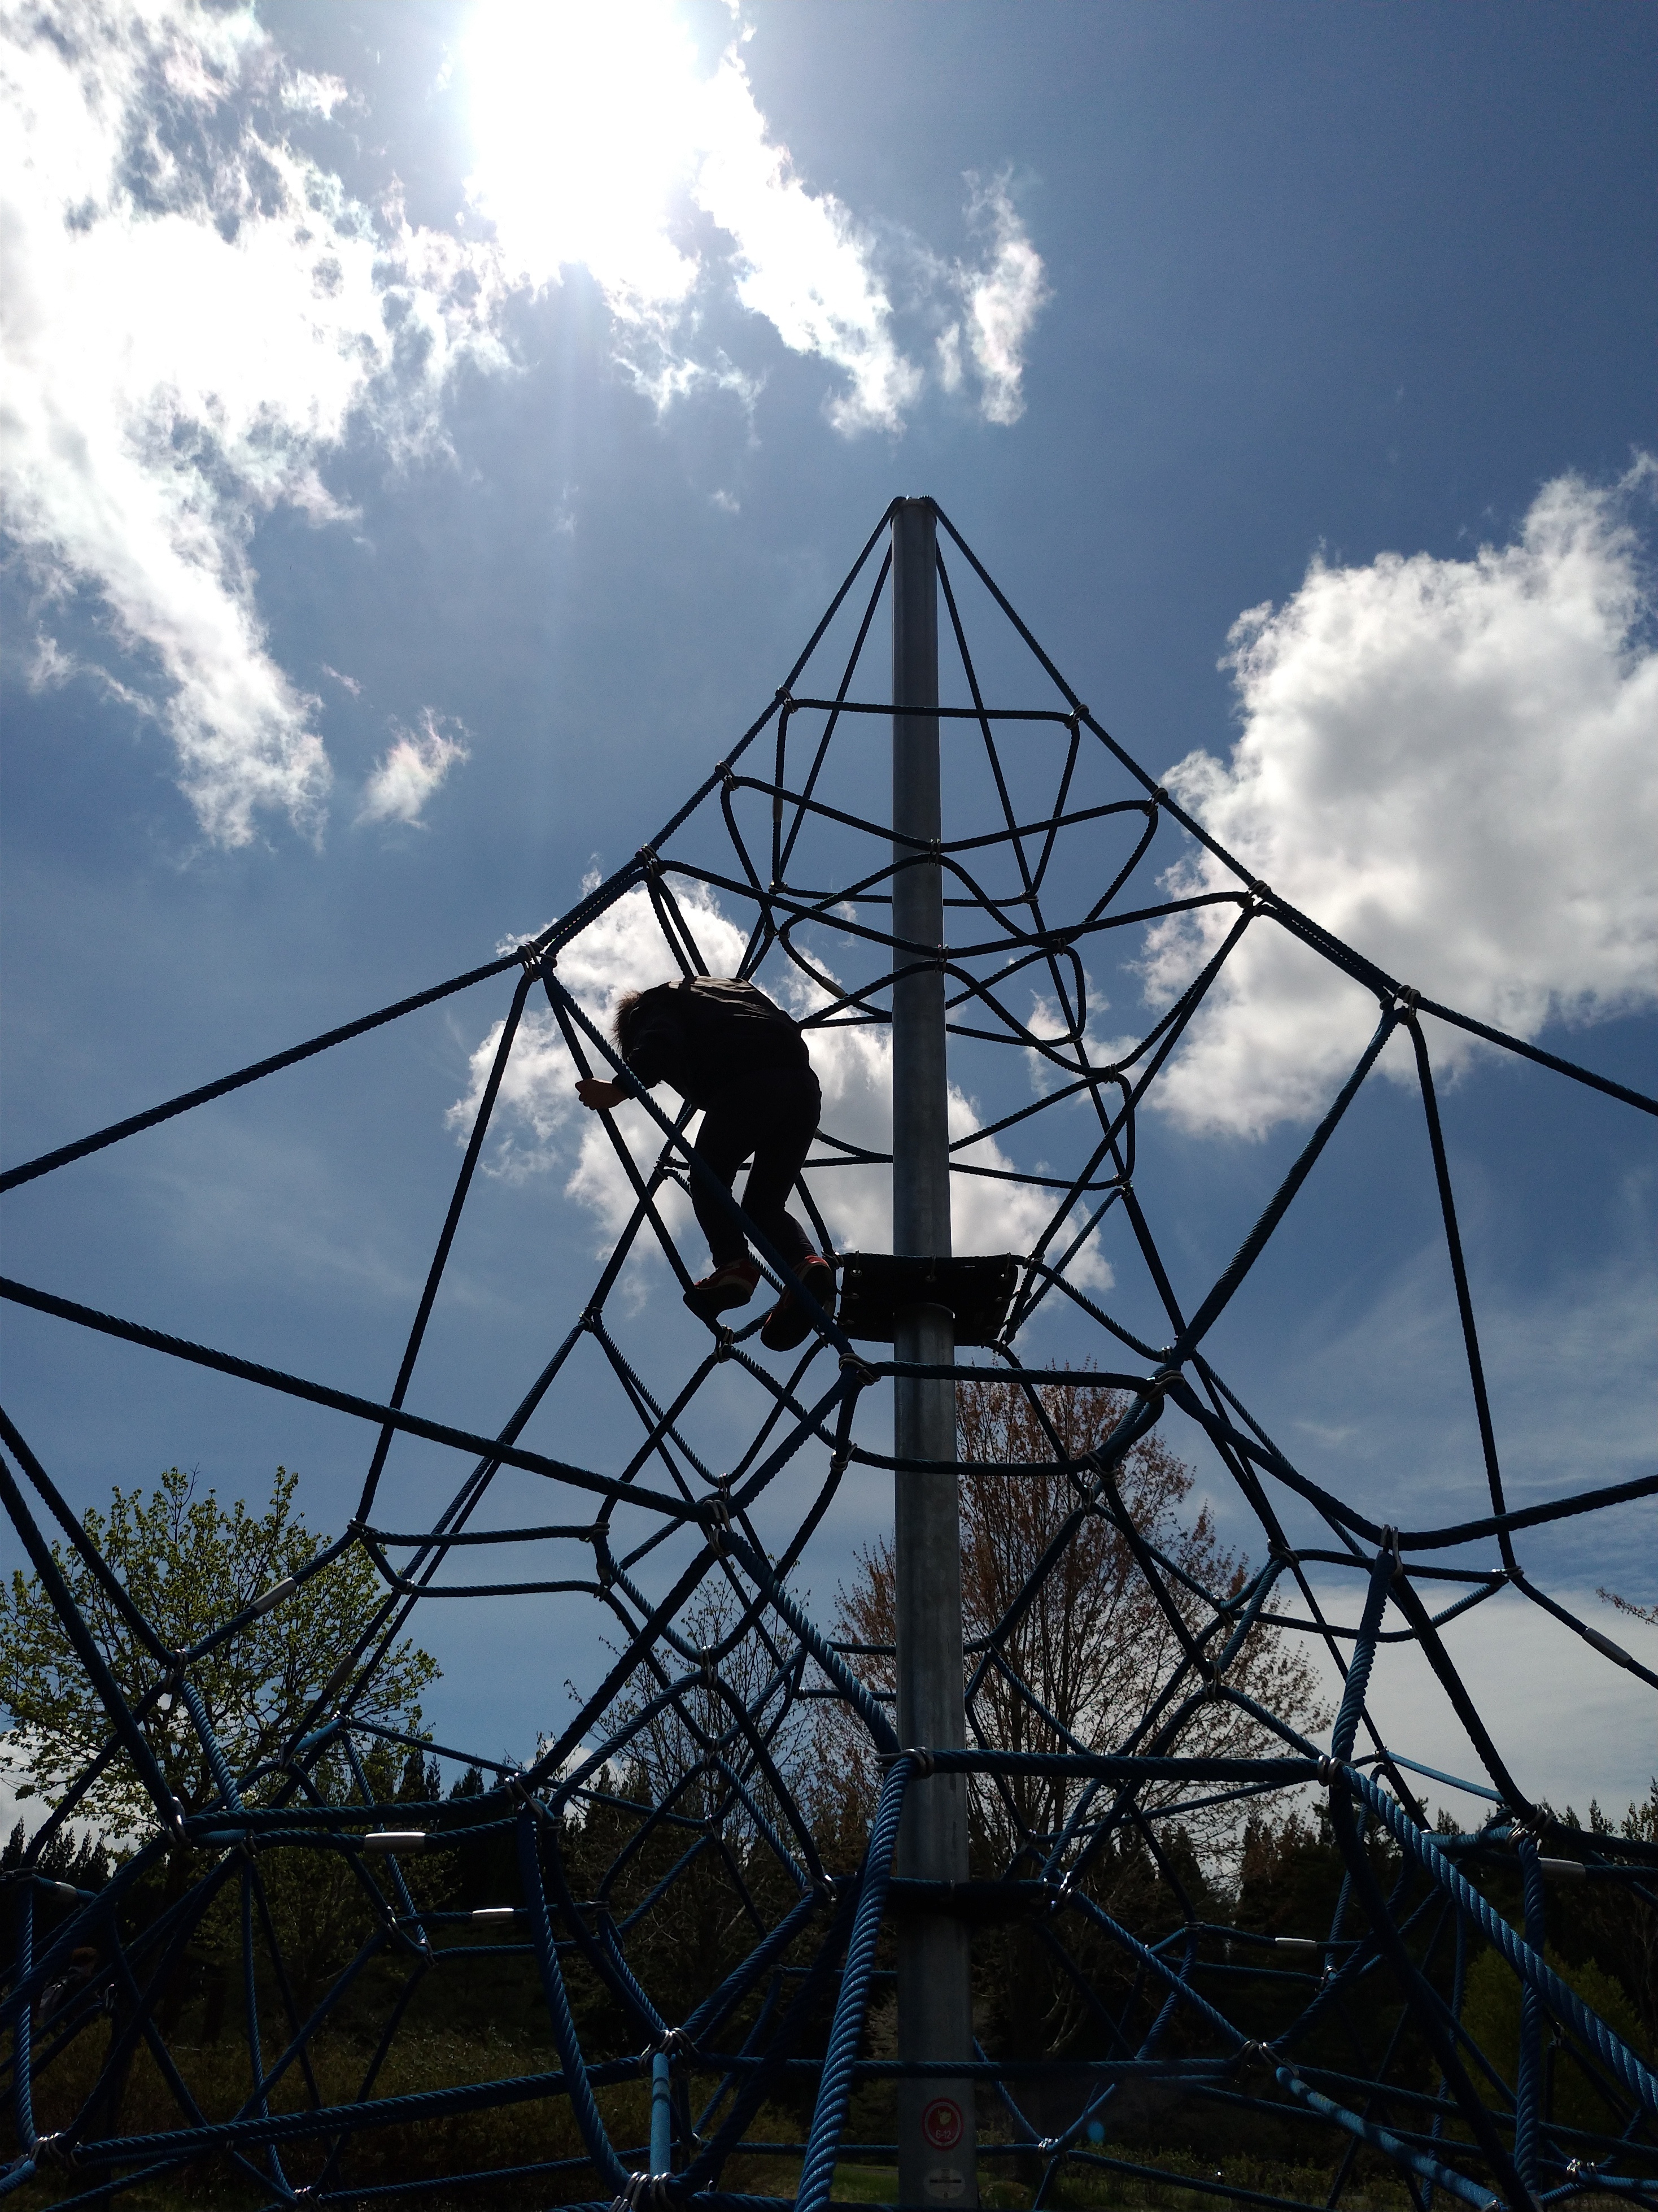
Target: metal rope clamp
719,1522
643,2189
925,1763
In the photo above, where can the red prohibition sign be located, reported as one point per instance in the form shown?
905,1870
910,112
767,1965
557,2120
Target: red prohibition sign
941,2123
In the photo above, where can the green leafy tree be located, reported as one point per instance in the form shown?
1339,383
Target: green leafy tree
189,1565
1491,2014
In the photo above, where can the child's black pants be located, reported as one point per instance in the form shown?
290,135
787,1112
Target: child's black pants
771,1113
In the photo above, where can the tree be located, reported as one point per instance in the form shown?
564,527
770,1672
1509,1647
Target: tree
1491,2014
1078,1660
189,1566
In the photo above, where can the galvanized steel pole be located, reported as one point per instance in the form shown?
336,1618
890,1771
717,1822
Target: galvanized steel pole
936,2130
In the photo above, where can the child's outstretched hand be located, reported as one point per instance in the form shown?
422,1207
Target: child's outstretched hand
592,1091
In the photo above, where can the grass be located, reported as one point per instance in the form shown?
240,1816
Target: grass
544,2130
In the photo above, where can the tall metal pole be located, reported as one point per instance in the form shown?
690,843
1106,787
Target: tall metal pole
936,2130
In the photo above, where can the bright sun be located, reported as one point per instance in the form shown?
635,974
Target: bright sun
585,123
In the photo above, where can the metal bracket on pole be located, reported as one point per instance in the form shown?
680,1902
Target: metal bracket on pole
936,2122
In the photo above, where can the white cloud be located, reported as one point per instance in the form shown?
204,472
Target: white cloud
1571,1724
1448,764
415,764
623,950
1003,303
23,1803
601,142
948,345
801,261
541,1126
193,313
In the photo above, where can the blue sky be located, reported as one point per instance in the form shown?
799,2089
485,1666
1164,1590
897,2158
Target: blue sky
432,432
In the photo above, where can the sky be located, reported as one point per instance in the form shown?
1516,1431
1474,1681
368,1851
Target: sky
432,431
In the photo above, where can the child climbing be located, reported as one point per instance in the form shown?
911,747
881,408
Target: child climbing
724,1045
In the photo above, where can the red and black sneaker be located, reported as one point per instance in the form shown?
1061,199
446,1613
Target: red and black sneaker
787,1322
730,1285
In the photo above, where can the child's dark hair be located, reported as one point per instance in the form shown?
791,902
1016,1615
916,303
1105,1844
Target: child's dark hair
622,1020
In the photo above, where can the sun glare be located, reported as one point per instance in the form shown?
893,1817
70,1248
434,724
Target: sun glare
585,123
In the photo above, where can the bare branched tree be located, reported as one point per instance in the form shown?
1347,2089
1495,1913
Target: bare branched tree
1081,1593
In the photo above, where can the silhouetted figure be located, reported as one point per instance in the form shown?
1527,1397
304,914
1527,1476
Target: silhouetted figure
724,1045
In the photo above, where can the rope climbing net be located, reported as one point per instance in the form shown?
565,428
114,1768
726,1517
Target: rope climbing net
693,1885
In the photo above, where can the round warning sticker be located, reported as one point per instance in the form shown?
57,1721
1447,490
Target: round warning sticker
942,2123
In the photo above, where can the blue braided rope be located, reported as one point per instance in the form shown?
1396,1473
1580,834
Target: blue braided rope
1590,2030
1528,2073
1159,1966
1358,1674
817,2169
1384,2139
583,2103
22,2057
